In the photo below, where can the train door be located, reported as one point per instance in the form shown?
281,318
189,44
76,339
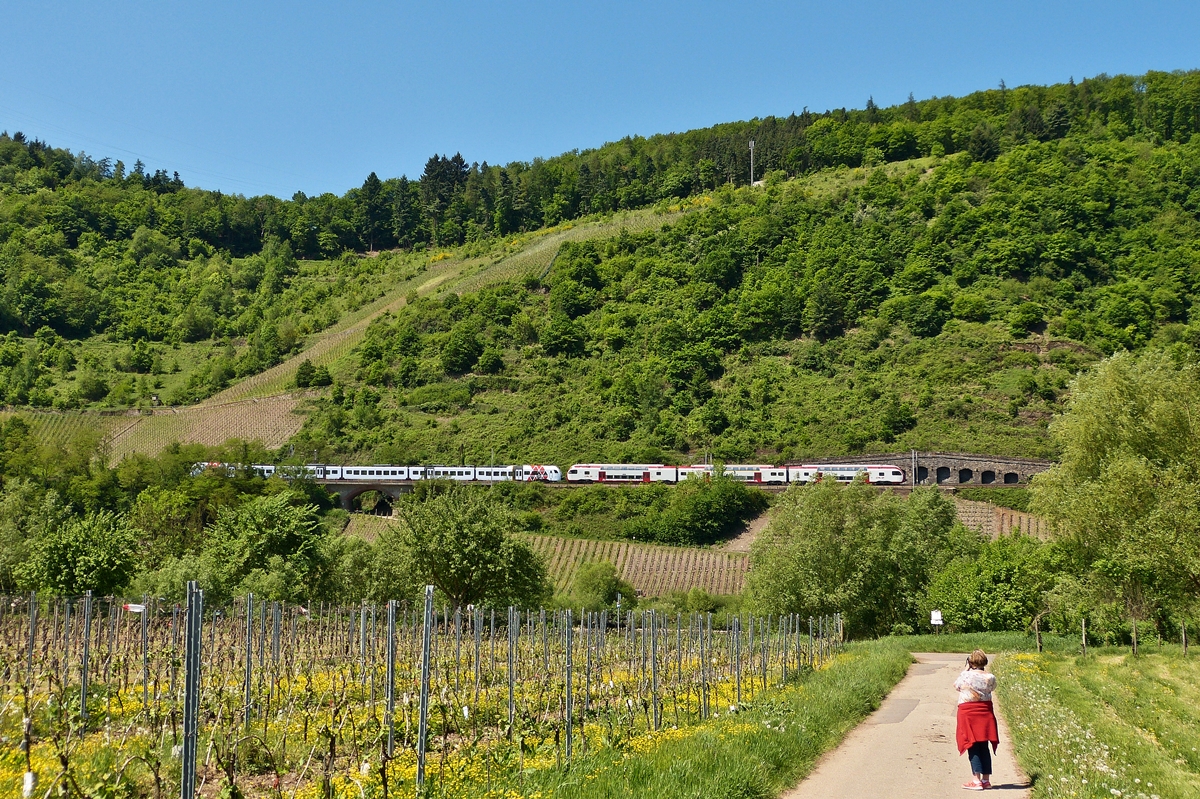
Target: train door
602,476
645,477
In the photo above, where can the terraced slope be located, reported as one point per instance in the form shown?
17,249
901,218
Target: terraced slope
57,428
653,570
262,408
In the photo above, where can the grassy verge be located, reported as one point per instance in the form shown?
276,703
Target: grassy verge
759,752
1105,725
988,642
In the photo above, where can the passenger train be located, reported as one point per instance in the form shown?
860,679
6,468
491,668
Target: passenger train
876,474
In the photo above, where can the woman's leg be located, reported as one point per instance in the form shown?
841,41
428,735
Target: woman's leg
981,760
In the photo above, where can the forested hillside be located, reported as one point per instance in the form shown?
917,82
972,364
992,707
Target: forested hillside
211,287
937,303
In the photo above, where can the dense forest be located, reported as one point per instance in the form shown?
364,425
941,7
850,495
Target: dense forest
936,303
940,274
75,229
91,250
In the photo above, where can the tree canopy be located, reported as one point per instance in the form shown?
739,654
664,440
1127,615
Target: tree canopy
1125,496
461,542
832,548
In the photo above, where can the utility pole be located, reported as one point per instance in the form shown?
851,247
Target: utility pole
752,162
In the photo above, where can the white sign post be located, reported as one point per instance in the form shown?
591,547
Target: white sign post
935,620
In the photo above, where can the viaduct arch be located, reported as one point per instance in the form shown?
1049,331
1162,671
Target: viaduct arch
955,468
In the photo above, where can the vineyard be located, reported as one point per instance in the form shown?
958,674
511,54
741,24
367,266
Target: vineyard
103,699
271,420
56,429
653,570
538,248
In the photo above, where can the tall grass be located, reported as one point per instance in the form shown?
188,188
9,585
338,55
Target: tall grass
988,642
1109,724
766,748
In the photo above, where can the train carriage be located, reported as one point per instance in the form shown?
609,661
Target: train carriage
462,474
380,473
876,474
622,473
758,473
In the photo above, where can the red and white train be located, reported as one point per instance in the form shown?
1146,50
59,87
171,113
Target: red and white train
385,473
876,474
880,474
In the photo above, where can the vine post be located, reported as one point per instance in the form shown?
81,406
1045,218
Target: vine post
423,707
191,682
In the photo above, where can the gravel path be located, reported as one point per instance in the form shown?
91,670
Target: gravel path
906,749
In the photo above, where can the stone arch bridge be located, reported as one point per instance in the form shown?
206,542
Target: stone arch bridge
955,468
348,491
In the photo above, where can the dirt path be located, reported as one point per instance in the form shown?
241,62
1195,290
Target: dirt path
745,539
906,750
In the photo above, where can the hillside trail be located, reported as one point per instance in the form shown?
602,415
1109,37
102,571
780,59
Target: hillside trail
906,748
265,407
744,540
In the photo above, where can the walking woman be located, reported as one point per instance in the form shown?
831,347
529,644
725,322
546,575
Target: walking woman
977,719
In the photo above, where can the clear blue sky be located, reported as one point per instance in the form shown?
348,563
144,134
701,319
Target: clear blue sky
277,97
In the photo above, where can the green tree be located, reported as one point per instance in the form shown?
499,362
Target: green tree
984,144
846,548
562,336
700,512
597,586
28,512
305,374
371,215
1000,588
97,553
461,541
462,348
272,545
1123,498
491,361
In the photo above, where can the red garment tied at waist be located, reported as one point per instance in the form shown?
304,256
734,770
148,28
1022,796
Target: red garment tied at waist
977,722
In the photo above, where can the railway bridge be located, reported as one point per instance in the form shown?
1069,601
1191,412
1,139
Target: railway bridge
348,491
945,469
954,468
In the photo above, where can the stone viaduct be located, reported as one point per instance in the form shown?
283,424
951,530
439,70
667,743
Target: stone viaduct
348,491
954,468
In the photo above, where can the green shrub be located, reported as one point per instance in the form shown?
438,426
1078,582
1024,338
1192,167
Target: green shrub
1000,589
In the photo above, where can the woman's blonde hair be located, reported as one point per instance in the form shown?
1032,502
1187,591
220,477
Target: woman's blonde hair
977,659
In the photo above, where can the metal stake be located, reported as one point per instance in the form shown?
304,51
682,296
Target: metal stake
423,708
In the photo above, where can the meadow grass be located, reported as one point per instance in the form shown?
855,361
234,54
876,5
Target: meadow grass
1108,724
990,643
767,747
